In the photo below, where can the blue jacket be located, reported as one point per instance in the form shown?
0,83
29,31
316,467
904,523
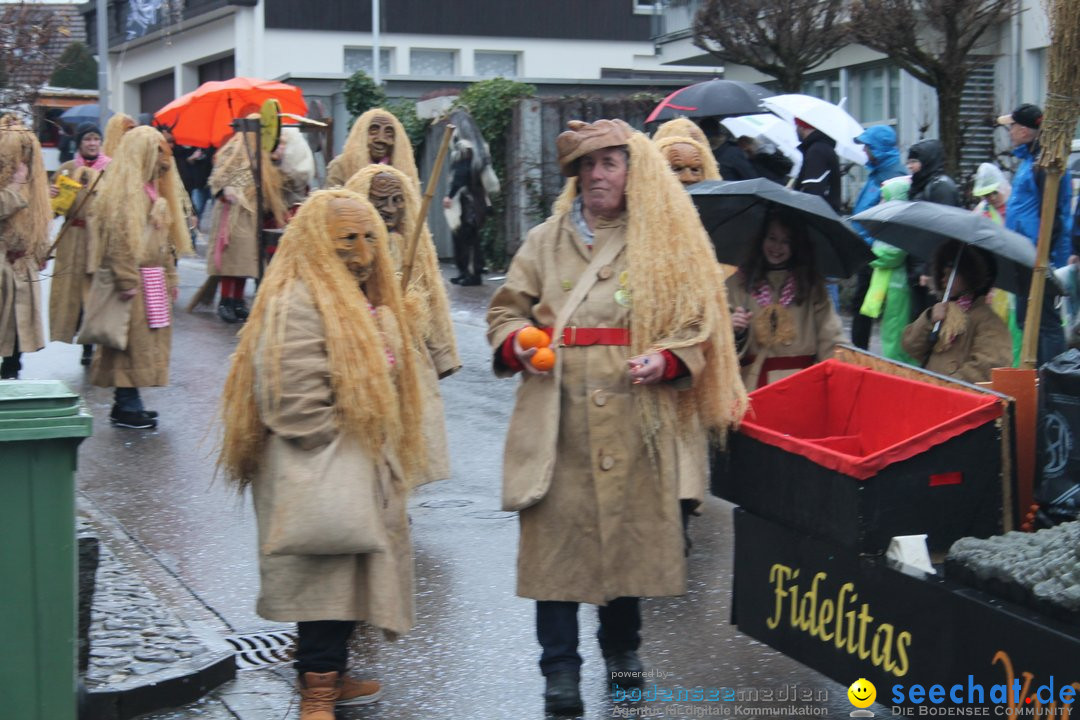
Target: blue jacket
1025,205
880,140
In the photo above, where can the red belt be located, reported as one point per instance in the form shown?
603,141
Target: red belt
593,336
78,222
787,362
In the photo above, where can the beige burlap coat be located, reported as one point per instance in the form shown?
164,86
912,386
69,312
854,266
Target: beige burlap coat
240,256
73,270
985,344
145,362
817,328
376,588
599,513
440,360
20,291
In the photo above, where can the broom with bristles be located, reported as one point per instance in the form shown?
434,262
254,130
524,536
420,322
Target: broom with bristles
1058,127
1059,123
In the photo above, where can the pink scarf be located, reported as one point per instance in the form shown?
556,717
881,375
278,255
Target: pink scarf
99,162
763,293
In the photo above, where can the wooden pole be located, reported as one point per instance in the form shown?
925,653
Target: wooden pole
1030,347
78,208
433,180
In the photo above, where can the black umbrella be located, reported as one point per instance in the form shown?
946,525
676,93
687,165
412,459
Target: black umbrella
75,116
710,99
734,213
920,227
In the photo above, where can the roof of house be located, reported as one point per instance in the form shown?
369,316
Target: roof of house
40,33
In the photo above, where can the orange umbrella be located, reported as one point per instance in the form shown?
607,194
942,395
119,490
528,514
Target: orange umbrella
203,117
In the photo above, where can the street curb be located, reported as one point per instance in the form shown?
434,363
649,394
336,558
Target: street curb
161,693
131,620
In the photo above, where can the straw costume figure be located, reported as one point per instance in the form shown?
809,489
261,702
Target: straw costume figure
141,228
233,254
398,203
973,339
593,448
689,159
324,390
783,317
25,214
376,137
76,251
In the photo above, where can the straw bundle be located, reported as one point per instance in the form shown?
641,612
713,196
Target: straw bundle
1063,86
1058,126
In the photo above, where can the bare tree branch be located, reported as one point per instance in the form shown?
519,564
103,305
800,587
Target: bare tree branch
784,39
26,32
934,41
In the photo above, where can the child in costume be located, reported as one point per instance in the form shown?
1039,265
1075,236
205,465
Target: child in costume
972,339
783,318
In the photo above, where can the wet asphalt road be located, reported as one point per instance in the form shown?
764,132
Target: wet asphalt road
473,653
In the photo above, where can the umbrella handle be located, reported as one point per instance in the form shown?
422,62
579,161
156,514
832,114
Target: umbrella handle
935,334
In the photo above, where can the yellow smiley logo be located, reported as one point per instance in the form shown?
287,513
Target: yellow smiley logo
862,693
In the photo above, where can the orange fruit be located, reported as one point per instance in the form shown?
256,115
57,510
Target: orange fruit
532,337
543,359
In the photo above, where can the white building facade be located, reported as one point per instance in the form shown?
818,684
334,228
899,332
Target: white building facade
563,46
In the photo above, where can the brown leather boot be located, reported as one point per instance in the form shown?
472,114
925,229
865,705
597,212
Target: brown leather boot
318,693
358,692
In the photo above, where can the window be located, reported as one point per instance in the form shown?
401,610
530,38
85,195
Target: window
432,62
874,93
495,64
825,86
360,59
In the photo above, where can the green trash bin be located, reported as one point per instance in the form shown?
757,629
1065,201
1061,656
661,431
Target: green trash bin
41,425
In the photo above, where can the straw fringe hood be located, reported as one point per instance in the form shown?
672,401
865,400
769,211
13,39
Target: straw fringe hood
426,297
678,289
709,167
377,405
116,209
115,128
232,168
29,228
355,154
682,127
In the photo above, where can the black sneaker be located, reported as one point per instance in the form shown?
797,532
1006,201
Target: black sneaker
241,310
562,696
135,419
625,669
471,280
227,312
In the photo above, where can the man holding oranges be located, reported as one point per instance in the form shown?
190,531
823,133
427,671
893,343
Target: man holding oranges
615,314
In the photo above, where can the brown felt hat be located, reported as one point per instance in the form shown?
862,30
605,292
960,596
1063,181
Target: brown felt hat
582,138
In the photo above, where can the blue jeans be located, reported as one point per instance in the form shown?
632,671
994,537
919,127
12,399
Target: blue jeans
127,400
322,646
557,631
199,196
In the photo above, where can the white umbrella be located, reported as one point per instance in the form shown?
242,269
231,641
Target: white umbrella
776,130
830,119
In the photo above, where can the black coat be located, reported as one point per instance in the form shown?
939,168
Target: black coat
931,183
733,162
820,172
